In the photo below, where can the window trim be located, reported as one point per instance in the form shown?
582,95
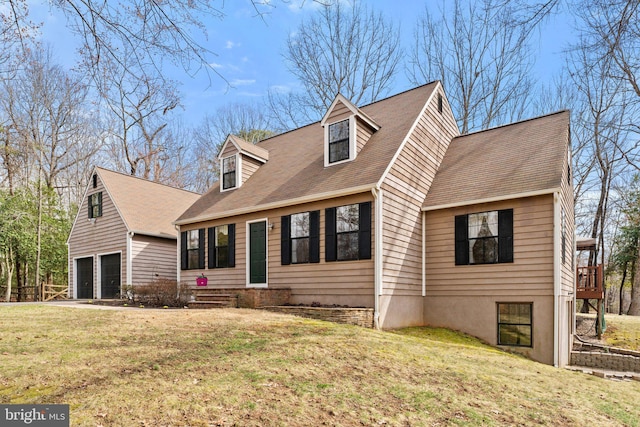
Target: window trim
530,324
184,251
91,213
213,249
238,172
364,233
286,241
505,238
352,141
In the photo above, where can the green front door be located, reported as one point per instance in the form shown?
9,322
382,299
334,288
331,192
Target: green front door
258,253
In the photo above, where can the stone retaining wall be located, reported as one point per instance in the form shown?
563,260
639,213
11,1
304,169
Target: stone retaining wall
351,316
604,357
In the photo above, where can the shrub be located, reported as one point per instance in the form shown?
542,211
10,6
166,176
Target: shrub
161,292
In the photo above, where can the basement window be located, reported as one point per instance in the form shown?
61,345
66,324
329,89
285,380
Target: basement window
515,324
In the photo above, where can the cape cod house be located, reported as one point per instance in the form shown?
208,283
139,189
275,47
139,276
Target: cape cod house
123,234
387,206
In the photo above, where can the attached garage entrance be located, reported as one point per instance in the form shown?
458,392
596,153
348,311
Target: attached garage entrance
84,277
110,276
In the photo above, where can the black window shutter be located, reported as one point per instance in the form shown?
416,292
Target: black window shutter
232,245
89,200
285,242
211,244
505,235
330,234
183,251
201,248
314,236
462,244
100,204
364,231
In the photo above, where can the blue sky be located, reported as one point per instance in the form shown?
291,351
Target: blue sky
249,49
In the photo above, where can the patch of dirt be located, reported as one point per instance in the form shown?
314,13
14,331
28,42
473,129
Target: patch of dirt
586,328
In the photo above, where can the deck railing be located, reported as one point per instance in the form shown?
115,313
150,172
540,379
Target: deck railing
589,282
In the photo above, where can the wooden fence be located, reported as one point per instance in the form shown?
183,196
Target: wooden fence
50,292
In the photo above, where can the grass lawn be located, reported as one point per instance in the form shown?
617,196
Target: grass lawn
142,367
622,331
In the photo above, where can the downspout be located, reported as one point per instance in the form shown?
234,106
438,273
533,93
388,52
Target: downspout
178,249
424,254
557,265
377,261
130,235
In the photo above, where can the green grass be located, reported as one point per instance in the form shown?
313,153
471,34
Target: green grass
252,368
622,331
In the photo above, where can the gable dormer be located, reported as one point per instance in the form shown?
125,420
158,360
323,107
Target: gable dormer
346,130
239,159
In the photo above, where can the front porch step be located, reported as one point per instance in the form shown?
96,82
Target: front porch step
213,300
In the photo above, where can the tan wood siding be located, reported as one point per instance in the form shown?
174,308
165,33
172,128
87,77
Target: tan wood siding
363,133
107,234
404,190
249,166
229,150
152,258
339,282
531,273
340,112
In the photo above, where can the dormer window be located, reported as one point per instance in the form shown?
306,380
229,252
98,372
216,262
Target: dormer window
229,173
346,130
339,141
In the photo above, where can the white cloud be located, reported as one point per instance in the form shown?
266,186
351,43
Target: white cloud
231,45
216,66
242,82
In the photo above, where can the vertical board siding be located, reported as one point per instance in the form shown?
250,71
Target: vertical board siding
405,188
531,272
152,258
340,282
108,234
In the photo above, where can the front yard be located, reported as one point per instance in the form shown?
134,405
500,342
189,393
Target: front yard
252,368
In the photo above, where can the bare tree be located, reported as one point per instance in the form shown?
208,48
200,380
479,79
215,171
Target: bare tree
48,119
347,49
482,59
139,111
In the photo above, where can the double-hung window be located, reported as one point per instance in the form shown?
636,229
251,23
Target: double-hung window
300,241
348,232
95,205
484,238
192,249
515,324
222,246
339,141
229,172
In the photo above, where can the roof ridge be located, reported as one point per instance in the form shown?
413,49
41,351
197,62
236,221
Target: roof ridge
146,180
359,107
512,123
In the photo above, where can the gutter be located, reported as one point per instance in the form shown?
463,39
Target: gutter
492,199
377,264
279,204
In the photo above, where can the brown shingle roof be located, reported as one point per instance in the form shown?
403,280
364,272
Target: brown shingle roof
146,207
523,157
295,169
249,148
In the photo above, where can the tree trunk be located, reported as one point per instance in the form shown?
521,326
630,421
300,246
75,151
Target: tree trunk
634,307
624,277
